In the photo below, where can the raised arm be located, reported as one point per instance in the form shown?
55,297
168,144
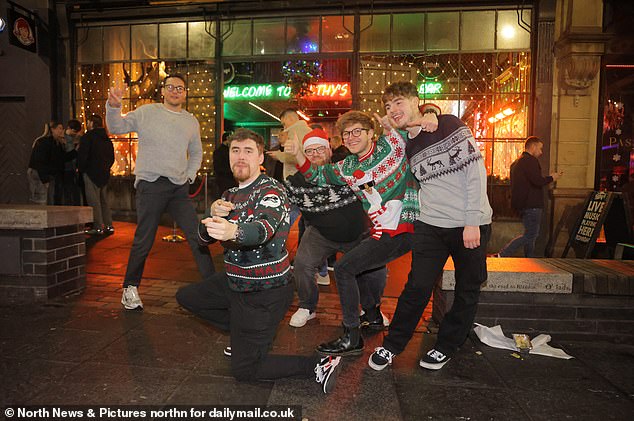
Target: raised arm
118,124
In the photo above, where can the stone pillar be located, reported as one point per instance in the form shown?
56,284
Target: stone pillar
43,252
579,45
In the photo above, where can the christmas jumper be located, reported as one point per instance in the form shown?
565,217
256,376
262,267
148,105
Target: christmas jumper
450,170
381,179
257,259
333,210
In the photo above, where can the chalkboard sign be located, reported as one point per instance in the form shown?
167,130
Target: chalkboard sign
601,207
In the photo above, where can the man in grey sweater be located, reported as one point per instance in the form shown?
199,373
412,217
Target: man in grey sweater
454,220
169,155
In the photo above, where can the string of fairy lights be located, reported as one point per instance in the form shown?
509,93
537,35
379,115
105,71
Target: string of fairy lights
140,83
488,90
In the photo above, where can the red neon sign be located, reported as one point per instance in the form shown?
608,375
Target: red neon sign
331,90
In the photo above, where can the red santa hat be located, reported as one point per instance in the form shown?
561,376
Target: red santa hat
316,137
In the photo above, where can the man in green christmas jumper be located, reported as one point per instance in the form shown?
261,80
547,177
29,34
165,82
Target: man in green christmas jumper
378,173
253,296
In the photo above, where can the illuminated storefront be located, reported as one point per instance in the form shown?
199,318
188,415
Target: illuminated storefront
475,64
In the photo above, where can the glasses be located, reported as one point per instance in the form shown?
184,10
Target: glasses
354,132
313,151
172,88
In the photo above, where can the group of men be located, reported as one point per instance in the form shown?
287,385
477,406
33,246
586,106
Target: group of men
65,162
418,186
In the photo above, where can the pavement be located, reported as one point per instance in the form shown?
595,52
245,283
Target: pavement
86,350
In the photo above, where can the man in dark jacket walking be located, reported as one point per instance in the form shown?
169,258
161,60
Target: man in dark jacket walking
527,196
94,159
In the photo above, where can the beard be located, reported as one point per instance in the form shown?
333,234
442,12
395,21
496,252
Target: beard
241,172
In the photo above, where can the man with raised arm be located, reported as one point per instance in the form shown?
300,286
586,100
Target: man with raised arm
378,173
169,155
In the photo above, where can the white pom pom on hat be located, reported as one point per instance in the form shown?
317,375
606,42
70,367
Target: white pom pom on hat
316,137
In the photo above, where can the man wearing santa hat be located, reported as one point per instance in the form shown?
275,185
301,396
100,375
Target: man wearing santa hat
335,223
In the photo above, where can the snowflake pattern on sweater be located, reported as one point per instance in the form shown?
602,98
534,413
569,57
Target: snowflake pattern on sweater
382,181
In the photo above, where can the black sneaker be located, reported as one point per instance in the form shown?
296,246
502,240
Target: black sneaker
326,372
227,351
380,358
109,229
434,360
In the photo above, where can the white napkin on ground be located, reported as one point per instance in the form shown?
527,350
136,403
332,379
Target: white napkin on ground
494,337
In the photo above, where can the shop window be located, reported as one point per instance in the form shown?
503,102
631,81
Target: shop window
201,42
89,45
510,35
140,82
442,31
173,40
239,38
144,42
116,42
408,32
475,72
302,35
477,31
337,33
268,36
489,92
616,154
375,33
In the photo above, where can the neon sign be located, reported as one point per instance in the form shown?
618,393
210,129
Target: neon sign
429,88
276,91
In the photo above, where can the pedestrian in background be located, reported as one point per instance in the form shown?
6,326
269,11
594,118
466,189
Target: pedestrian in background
527,196
94,159
222,170
46,164
70,184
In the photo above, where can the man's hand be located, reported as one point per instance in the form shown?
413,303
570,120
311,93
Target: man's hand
428,122
220,229
114,97
385,122
221,208
471,236
294,147
557,175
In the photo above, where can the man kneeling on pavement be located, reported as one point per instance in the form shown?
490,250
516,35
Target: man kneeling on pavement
249,300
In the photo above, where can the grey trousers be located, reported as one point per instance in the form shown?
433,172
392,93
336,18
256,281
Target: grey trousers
311,253
97,198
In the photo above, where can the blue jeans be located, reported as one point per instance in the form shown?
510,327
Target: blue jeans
532,219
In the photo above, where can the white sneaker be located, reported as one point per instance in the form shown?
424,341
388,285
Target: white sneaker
322,280
301,316
130,299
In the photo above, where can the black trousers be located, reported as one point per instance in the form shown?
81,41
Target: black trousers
431,247
152,200
252,319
